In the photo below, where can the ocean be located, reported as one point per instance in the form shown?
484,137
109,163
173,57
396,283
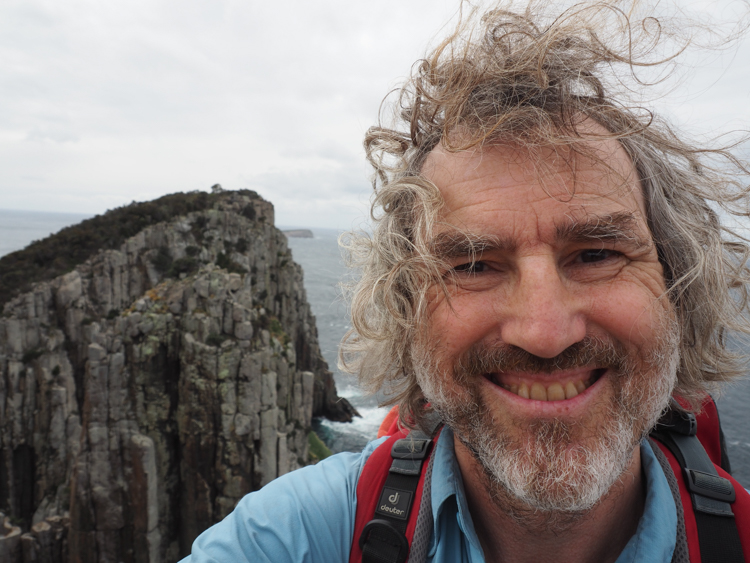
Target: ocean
324,269
20,228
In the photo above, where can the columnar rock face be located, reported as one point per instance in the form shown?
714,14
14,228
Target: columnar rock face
145,392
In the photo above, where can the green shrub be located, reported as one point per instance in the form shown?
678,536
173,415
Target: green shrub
162,261
277,331
275,326
198,226
318,450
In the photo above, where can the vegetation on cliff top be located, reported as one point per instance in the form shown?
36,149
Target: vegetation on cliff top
318,450
59,253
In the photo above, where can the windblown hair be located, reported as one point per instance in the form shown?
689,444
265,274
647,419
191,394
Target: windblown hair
530,80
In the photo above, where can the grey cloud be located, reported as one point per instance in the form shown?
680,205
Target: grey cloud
113,100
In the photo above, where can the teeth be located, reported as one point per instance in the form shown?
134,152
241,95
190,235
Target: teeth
553,392
538,392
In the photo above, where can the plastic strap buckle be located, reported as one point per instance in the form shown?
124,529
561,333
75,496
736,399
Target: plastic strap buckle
408,448
389,543
408,455
679,421
711,486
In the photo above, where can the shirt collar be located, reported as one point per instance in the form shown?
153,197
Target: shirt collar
655,538
447,485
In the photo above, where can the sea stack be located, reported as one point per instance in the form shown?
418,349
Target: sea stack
149,388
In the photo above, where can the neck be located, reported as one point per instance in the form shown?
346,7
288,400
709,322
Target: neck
512,535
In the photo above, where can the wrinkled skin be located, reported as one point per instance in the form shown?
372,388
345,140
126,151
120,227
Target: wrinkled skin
569,259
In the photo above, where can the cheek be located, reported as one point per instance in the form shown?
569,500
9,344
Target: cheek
454,324
434,299
627,314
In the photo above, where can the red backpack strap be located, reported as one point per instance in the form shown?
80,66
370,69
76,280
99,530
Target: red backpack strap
371,486
389,426
709,430
740,508
715,516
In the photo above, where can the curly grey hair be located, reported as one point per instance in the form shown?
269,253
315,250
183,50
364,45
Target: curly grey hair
507,78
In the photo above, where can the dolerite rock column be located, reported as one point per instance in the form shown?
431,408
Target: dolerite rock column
145,392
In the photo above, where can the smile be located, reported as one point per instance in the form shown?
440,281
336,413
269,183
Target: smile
549,389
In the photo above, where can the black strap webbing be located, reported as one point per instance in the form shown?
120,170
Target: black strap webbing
383,539
711,494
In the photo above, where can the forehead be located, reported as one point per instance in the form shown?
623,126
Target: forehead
556,184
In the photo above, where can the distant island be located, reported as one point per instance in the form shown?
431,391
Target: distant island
299,233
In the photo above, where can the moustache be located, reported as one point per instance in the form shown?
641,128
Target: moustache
482,358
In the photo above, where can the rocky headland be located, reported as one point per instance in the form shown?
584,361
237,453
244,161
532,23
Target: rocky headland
148,388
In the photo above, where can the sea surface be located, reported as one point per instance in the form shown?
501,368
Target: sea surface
324,271
20,228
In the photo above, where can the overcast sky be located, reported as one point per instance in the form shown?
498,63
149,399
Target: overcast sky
108,102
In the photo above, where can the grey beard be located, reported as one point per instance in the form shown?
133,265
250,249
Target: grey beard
557,473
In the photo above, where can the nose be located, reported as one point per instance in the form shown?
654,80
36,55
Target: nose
541,314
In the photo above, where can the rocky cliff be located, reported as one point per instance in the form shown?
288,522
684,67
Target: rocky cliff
143,393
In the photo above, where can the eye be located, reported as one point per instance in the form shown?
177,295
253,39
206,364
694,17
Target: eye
592,255
471,268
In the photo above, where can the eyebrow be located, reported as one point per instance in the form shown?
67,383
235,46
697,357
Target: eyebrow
457,244
622,227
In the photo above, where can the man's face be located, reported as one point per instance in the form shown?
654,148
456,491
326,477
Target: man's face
556,349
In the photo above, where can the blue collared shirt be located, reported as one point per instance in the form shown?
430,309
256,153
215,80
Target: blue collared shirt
308,516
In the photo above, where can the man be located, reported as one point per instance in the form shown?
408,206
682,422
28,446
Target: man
545,273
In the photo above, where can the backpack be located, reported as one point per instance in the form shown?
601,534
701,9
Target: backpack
715,528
